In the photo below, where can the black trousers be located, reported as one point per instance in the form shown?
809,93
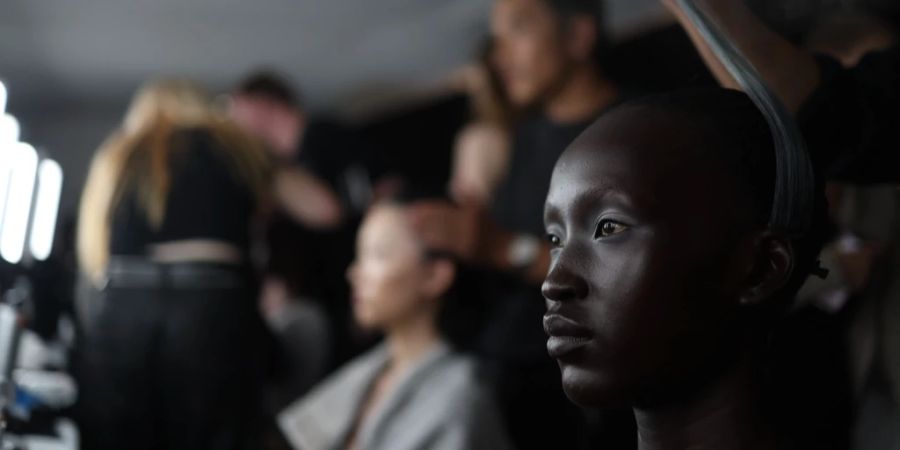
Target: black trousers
169,368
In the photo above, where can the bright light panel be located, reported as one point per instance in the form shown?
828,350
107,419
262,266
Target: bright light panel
43,226
6,150
23,161
9,129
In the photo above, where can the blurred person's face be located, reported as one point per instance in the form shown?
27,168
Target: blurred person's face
643,290
530,54
391,279
278,125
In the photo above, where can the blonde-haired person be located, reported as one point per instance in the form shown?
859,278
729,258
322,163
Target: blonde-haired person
169,361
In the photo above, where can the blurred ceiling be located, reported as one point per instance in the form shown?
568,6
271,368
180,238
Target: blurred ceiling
97,51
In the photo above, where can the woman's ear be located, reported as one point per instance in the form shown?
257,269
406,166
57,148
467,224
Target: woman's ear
441,275
772,263
582,36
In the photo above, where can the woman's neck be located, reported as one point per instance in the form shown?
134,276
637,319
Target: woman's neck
725,417
411,339
581,97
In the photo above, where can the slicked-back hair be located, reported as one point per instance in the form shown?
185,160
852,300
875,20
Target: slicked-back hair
735,130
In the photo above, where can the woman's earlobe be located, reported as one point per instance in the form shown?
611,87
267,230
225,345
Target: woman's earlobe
771,271
442,277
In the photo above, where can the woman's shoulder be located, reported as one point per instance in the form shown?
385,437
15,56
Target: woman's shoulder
357,373
458,378
326,412
468,416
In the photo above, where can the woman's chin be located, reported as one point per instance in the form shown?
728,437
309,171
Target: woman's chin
591,387
365,320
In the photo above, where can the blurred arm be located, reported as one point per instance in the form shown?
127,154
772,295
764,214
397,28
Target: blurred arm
306,198
791,72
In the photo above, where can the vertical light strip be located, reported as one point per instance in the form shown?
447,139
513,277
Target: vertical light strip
9,134
46,207
9,128
5,152
23,163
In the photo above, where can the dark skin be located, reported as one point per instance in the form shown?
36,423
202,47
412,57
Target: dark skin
655,269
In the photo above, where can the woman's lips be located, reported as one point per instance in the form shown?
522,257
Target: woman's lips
565,335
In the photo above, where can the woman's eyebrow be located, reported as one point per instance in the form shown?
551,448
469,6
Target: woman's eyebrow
586,200
551,213
602,195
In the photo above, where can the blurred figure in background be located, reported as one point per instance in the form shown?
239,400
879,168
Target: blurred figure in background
482,149
413,391
548,54
863,259
173,359
305,294
265,105
296,297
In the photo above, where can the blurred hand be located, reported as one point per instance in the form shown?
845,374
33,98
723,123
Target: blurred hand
273,297
480,162
857,265
307,199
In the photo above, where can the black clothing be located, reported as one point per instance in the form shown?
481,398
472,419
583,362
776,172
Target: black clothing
537,144
205,200
340,156
172,368
416,144
850,121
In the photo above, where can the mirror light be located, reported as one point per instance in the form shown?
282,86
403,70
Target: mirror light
9,129
23,160
43,226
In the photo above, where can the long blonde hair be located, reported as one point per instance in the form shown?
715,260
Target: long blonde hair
137,156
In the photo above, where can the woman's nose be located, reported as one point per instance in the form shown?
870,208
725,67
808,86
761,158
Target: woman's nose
563,284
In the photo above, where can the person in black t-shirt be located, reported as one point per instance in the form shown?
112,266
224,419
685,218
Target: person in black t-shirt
548,54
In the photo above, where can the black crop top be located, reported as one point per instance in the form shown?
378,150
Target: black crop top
206,200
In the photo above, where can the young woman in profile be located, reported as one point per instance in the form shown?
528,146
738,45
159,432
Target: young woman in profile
665,274
414,391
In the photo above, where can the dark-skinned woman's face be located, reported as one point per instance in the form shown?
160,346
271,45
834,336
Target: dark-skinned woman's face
642,292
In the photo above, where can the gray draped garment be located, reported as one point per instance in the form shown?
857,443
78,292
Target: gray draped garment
439,403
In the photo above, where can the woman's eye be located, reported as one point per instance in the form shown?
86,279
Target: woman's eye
608,228
554,240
